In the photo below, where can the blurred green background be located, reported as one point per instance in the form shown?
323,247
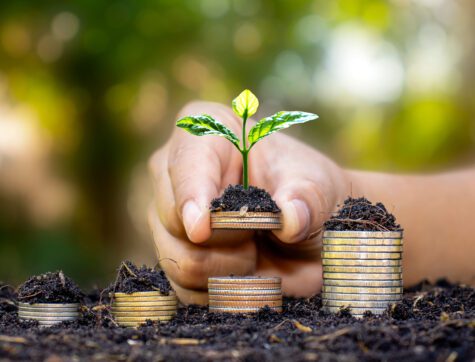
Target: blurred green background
88,89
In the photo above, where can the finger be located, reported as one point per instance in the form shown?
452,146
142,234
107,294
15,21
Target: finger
189,265
303,208
164,199
190,296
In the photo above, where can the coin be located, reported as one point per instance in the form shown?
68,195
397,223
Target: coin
39,314
365,297
364,248
245,279
245,304
49,305
362,234
147,314
157,302
247,226
271,297
362,269
362,283
361,262
140,307
362,290
360,241
243,286
136,324
240,310
276,291
145,299
371,256
141,320
367,276
357,303
151,293
48,310
50,318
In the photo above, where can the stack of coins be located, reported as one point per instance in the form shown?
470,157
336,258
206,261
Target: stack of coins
244,294
245,220
48,314
131,310
361,270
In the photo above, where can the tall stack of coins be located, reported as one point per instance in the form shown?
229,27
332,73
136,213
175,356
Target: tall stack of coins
244,294
245,220
131,310
48,314
361,270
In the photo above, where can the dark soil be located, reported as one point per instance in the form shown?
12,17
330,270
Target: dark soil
49,288
432,323
131,279
361,215
235,197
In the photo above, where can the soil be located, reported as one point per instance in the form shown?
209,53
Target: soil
131,279
432,323
49,288
361,215
235,197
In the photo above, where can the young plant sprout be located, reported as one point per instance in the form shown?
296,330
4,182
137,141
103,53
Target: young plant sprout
245,106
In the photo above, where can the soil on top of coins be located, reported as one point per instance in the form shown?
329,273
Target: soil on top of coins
131,279
431,323
236,197
359,214
53,287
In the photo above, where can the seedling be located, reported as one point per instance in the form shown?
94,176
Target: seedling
245,106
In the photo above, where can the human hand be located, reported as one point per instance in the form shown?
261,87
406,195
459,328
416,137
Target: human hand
189,172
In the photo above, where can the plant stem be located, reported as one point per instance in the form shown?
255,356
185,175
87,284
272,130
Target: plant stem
245,153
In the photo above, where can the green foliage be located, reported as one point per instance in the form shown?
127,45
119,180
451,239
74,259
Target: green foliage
205,125
244,105
277,122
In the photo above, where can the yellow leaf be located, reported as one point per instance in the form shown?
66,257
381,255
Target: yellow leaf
245,104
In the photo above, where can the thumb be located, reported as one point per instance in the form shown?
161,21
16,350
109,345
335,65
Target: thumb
303,211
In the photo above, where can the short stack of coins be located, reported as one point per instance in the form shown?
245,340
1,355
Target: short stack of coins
244,294
134,309
245,220
362,270
48,314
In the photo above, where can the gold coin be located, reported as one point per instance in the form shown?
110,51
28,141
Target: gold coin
363,248
148,314
247,226
362,290
215,286
145,299
362,269
362,234
244,304
51,318
362,262
362,283
359,241
141,305
356,303
137,324
245,280
141,320
48,305
240,310
361,255
271,297
367,276
362,297
244,292
217,214
46,314
155,302
143,308
152,293
48,310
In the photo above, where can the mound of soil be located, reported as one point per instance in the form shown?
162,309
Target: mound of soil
49,288
361,215
131,279
432,323
235,197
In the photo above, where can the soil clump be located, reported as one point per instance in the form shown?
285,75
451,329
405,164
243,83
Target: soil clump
52,287
359,214
131,279
236,197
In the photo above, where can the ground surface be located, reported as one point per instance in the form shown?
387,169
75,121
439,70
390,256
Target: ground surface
433,323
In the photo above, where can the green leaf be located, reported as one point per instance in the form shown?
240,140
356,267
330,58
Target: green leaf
245,105
277,122
204,125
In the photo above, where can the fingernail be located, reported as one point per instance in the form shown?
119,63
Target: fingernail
297,220
191,215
